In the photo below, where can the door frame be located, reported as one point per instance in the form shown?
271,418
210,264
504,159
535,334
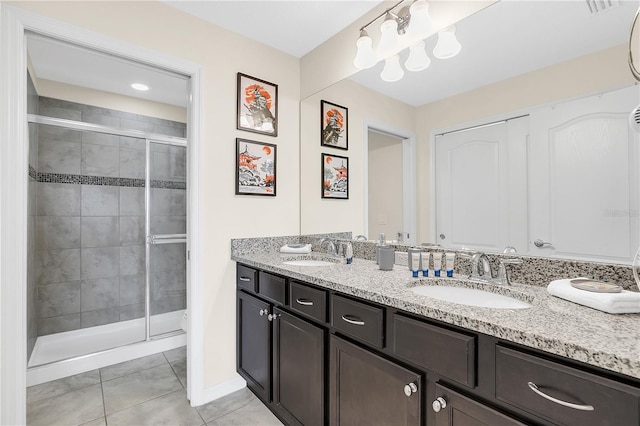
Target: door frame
409,176
13,203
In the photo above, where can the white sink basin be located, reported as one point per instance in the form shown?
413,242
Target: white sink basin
469,296
308,262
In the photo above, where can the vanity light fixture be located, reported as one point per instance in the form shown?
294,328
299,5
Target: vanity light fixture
139,86
406,29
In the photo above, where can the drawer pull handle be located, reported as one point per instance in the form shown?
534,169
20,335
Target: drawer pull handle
245,279
439,404
263,312
352,320
534,388
304,302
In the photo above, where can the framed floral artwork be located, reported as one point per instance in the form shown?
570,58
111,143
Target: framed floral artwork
255,168
257,105
334,125
335,176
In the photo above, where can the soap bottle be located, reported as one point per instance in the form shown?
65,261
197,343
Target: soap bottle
381,243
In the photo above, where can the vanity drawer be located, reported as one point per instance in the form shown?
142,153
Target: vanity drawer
612,403
308,301
446,352
357,319
272,287
247,278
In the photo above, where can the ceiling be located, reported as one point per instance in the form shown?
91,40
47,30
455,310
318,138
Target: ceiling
295,27
71,64
506,39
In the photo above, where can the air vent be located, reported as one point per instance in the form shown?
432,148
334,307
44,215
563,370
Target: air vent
597,6
634,119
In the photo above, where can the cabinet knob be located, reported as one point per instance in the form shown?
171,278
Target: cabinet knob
271,317
264,312
410,389
439,404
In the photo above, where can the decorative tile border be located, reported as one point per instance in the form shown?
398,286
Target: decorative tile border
104,180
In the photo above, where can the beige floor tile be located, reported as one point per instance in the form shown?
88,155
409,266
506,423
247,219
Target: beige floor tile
254,413
225,405
176,354
180,368
171,409
118,370
72,408
133,389
62,386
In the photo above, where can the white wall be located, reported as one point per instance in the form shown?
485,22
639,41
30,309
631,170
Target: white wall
320,215
385,185
222,54
593,73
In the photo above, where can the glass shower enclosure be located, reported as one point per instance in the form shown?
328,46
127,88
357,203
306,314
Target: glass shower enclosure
108,243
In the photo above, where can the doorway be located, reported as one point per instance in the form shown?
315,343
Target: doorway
390,183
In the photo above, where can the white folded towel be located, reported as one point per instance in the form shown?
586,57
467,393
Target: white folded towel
626,302
305,249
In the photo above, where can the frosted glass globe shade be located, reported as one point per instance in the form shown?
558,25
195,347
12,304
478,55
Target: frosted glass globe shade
389,41
392,70
365,56
418,59
420,25
448,45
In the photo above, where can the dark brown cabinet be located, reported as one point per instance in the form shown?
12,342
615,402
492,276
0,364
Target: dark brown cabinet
281,356
561,394
254,344
367,389
319,357
454,409
298,369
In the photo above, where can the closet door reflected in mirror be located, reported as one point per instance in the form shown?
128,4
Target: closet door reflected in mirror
566,177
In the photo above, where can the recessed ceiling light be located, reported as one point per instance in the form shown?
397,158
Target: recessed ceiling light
140,86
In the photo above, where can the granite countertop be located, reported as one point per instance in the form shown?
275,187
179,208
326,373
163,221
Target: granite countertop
553,325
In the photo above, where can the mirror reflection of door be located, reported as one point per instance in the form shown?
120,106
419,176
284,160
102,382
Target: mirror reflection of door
385,187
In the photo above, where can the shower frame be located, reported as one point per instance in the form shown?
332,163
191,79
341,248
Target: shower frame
150,239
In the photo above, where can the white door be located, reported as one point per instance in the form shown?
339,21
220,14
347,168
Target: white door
481,184
584,178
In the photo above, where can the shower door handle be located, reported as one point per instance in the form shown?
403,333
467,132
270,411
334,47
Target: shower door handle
166,238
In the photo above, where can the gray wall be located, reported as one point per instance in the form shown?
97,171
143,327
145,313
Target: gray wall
90,261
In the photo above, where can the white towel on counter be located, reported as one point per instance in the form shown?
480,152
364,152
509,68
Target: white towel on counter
626,302
306,249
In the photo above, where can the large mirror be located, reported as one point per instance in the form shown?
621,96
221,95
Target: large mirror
519,58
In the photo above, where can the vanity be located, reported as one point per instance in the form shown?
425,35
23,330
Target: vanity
350,344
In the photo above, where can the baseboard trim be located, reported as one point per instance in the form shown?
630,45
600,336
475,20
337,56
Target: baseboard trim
218,391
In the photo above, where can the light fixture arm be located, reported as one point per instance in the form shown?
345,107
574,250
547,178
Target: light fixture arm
383,14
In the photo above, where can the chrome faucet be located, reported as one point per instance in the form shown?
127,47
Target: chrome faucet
503,275
331,247
484,274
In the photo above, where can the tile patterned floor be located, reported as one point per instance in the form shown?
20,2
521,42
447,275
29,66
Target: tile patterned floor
143,391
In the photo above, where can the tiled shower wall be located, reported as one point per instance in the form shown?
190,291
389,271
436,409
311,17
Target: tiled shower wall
90,259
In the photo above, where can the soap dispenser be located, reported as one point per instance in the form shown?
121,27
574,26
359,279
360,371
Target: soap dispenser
381,243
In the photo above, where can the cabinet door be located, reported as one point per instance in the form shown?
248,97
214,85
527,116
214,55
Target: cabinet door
298,369
253,340
369,390
454,409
